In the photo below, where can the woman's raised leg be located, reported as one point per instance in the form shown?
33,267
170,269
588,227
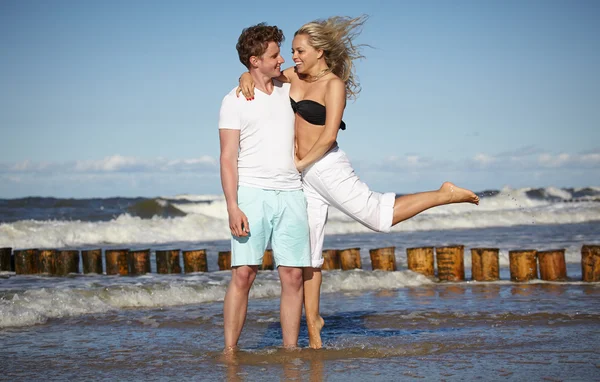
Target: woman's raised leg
407,206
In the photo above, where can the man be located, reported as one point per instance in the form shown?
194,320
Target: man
262,187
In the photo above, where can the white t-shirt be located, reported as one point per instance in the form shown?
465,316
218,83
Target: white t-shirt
266,124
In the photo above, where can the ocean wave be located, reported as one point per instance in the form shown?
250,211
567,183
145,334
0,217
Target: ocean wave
149,208
38,305
197,218
131,230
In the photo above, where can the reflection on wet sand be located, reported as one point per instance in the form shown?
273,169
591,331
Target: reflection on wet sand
452,291
386,293
523,289
553,289
296,364
421,295
487,291
592,289
316,370
229,359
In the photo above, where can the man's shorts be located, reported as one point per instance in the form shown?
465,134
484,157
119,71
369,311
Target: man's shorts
278,216
331,181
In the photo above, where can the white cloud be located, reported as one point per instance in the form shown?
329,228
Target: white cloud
114,164
560,160
527,158
408,162
484,159
519,152
592,159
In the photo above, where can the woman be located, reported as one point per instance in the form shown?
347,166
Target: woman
321,81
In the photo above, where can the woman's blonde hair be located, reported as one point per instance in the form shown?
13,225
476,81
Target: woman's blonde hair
335,36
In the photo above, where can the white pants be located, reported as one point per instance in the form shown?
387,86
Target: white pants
331,181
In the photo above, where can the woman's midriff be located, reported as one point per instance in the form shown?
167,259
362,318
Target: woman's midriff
306,136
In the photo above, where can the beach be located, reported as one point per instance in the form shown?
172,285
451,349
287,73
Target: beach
424,330
379,325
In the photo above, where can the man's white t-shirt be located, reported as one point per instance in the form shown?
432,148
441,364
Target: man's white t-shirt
266,124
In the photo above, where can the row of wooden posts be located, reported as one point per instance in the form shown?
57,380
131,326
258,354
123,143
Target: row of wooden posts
449,260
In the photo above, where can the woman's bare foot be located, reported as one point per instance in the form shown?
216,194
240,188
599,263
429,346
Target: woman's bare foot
314,332
456,194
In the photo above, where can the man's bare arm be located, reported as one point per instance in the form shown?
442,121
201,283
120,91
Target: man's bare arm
230,143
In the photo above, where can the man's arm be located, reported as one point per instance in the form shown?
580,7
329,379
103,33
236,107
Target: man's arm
230,143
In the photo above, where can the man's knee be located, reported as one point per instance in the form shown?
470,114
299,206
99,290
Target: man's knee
243,276
291,276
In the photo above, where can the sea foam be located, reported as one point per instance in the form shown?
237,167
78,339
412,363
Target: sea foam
206,219
26,307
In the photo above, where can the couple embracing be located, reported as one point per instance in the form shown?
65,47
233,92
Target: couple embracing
281,168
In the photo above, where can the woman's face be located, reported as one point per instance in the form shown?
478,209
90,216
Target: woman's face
304,55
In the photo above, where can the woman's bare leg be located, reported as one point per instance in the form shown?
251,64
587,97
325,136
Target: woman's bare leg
407,206
312,294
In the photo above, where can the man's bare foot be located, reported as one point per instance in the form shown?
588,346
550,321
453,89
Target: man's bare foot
456,194
229,354
314,332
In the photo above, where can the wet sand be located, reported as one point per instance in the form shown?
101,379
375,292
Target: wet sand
446,331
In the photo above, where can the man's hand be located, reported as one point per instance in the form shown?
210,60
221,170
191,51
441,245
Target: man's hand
238,222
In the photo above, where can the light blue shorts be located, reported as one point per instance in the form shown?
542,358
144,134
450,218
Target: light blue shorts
278,216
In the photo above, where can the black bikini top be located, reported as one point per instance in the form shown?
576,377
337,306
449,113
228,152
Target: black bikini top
312,112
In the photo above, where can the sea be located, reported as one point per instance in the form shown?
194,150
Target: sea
380,326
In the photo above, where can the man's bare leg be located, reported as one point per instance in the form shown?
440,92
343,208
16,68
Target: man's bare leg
236,304
291,304
407,206
312,295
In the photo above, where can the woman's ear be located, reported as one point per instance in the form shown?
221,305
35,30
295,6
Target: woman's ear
320,53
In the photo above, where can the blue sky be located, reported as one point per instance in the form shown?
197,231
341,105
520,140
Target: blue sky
105,98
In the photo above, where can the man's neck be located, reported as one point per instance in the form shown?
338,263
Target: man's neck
262,82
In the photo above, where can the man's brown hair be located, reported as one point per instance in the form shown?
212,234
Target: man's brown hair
254,41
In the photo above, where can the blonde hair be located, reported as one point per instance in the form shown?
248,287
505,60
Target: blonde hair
335,36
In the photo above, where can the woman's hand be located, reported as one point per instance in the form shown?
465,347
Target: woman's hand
299,165
246,86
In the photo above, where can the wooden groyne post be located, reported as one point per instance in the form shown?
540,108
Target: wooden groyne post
268,261
383,259
331,260
590,263
420,260
552,265
523,265
47,261
138,262
451,263
67,261
224,260
5,261
350,259
116,262
195,261
26,261
167,261
92,261
485,264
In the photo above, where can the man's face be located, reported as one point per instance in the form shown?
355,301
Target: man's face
270,62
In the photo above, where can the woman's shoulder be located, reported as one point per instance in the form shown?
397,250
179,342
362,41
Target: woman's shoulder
334,80
335,83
